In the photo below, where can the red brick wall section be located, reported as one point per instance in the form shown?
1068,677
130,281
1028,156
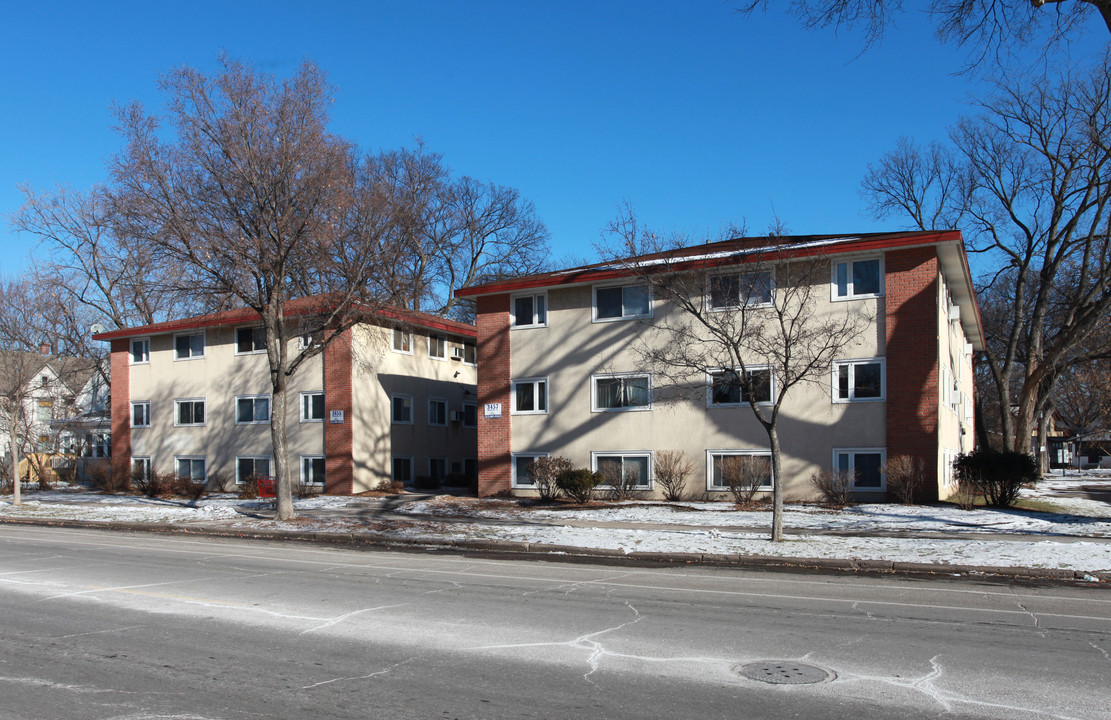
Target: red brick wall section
121,404
339,461
912,359
494,459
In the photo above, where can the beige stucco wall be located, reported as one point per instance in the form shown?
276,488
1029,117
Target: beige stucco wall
572,348
380,373
955,431
221,375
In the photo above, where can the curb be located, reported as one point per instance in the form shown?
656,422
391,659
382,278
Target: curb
572,553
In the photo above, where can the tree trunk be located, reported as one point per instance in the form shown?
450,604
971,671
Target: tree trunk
777,487
281,463
15,468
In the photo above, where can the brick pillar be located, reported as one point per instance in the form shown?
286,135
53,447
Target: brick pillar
912,359
121,405
339,461
494,469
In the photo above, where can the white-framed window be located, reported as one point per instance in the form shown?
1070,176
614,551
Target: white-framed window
529,311
251,466
864,464
634,466
252,409
189,411
859,380
522,478
726,389
862,277
402,341
190,466
140,466
739,466
437,347
140,414
402,412
312,406
140,351
437,411
470,415
735,290
250,340
530,396
189,347
470,353
403,468
622,302
437,467
619,392
308,340
312,469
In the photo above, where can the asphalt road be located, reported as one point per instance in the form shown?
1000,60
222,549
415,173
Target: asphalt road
112,625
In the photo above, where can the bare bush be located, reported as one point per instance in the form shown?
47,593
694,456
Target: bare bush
545,472
673,467
905,475
109,478
835,486
622,484
745,475
965,496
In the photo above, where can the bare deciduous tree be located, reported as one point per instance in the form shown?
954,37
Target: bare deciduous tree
988,28
754,316
673,467
257,202
1034,172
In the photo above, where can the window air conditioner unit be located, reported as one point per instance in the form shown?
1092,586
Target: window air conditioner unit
954,312
457,353
457,416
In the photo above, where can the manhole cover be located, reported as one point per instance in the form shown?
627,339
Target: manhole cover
782,672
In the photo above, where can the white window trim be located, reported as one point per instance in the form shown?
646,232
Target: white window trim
444,402
407,334
710,487
235,340
177,415
834,297
269,410
533,380
145,459
852,386
204,350
595,455
710,404
443,339
239,480
594,303
301,464
394,420
513,468
853,451
147,403
301,406
202,458
513,325
733,308
131,351
412,468
609,376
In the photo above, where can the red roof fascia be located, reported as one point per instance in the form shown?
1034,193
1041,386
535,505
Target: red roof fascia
602,272
293,308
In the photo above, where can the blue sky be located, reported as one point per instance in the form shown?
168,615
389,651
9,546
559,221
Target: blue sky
695,115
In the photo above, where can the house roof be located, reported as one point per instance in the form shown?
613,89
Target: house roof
18,366
952,259
293,308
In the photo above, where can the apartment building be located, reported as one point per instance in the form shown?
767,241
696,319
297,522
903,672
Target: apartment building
390,399
560,372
